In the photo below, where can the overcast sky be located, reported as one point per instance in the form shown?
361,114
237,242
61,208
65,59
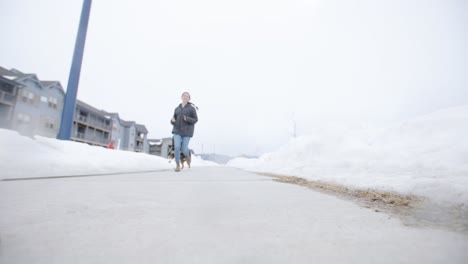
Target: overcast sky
250,65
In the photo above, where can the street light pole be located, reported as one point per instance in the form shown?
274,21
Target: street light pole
66,123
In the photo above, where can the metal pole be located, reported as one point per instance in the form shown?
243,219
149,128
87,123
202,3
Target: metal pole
66,123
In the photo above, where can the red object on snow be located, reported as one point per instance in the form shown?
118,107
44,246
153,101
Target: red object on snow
110,145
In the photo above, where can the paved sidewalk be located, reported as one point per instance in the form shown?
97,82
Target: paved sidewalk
203,215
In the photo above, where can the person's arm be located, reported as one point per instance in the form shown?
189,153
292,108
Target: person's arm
193,118
173,119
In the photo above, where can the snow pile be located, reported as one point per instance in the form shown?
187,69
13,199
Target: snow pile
24,157
426,156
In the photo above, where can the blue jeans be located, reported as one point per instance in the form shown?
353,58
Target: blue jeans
180,141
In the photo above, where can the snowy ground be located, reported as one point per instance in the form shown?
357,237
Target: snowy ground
425,156
41,156
203,215
219,214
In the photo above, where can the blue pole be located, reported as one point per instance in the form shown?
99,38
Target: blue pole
66,123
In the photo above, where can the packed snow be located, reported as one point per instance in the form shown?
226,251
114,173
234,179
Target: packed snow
26,157
426,156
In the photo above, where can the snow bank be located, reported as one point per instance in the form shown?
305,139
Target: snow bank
426,156
24,157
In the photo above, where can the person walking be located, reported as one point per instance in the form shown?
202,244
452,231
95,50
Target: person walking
183,122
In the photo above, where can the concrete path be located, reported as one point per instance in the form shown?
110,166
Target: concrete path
203,215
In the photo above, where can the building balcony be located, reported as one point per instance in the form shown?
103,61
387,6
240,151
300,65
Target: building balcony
139,148
7,98
81,118
79,136
93,123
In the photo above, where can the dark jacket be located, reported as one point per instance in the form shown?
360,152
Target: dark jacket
183,127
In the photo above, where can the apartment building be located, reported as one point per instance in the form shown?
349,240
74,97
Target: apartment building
34,107
128,135
37,106
8,91
91,125
141,140
160,147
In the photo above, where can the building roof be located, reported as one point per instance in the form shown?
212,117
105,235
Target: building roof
53,84
127,123
91,108
159,141
21,75
121,121
17,75
153,142
141,128
48,83
12,82
7,74
30,76
113,115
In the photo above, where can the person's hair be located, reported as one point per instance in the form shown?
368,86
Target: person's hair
187,94
190,103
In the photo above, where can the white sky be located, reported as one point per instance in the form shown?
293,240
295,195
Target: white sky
249,65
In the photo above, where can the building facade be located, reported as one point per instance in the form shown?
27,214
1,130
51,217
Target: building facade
128,135
91,125
160,147
34,107
37,106
8,91
141,139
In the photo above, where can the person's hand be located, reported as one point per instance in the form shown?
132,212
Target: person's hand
185,118
173,120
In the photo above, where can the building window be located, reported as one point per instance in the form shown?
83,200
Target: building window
7,88
24,96
27,96
53,102
50,123
24,118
